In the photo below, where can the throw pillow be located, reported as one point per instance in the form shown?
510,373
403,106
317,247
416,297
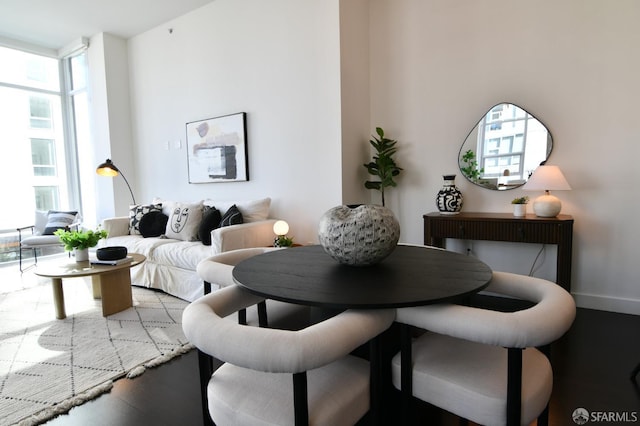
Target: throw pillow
153,224
252,210
184,222
232,217
58,220
136,212
210,220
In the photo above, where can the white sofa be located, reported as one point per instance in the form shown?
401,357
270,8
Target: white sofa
171,264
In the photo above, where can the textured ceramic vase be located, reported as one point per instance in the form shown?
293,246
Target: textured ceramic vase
359,235
449,198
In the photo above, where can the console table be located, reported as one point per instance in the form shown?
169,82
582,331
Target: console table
506,227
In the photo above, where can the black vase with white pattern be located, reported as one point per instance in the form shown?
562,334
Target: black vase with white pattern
449,199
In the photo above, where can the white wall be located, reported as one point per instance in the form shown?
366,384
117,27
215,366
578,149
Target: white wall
434,67
110,126
279,62
441,64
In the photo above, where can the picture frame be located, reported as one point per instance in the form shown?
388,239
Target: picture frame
217,149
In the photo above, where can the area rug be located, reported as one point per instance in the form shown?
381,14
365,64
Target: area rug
48,366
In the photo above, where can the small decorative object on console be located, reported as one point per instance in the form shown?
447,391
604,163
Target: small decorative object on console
520,206
280,228
359,235
449,198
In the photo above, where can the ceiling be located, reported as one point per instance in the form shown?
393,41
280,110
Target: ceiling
57,23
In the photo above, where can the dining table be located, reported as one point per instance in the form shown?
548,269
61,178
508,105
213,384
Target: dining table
412,275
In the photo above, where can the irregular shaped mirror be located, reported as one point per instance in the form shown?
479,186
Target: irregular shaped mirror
504,148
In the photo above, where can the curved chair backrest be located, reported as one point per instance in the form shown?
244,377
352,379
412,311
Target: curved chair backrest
543,323
274,350
217,269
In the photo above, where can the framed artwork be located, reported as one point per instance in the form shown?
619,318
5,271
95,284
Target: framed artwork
217,149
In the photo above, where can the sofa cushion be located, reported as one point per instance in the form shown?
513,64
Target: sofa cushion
210,220
181,254
139,244
58,220
184,221
252,211
153,224
136,212
231,217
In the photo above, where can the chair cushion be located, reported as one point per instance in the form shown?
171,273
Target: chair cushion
338,394
469,379
58,220
40,241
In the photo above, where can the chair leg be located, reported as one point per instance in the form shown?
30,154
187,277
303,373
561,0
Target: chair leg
514,386
300,401
205,364
262,314
406,374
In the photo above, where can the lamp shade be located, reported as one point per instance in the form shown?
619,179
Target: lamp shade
107,169
547,178
281,227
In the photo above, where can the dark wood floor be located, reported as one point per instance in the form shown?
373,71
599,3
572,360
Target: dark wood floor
592,364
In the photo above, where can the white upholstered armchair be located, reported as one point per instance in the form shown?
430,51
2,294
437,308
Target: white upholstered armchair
483,365
255,385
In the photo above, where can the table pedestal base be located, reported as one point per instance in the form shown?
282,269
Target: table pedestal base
114,288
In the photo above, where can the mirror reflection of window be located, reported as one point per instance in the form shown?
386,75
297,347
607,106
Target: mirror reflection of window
508,143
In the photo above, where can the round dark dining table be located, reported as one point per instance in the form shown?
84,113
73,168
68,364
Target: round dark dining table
411,275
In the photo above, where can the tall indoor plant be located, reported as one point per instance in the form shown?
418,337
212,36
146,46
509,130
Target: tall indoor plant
383,165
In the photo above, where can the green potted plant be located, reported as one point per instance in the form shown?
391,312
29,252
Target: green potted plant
80,241
520,206
383,165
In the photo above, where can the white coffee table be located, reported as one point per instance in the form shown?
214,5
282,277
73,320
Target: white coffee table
111,283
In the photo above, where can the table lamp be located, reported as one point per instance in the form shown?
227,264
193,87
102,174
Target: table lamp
109,169
280,228
547,178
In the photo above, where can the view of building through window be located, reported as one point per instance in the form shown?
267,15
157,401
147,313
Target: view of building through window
37,161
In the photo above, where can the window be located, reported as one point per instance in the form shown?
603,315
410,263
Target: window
43,157
502,139
37,158
40,112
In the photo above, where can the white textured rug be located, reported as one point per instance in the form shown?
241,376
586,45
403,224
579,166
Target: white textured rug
48,366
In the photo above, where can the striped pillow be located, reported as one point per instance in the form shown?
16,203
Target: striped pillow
58,220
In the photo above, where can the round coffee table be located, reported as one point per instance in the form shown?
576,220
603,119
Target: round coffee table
111,283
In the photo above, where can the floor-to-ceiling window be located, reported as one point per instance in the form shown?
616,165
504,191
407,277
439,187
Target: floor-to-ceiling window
38,157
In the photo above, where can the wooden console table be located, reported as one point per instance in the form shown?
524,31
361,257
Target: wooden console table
506,227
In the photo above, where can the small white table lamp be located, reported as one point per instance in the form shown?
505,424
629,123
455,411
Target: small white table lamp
547,178
280,228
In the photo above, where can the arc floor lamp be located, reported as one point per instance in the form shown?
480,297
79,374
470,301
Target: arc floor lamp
109,169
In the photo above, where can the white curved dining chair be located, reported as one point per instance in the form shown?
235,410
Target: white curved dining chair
278,377
483,365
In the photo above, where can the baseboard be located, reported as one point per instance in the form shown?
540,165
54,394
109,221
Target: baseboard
607,303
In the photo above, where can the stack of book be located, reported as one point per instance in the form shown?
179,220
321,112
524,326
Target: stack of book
95,261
